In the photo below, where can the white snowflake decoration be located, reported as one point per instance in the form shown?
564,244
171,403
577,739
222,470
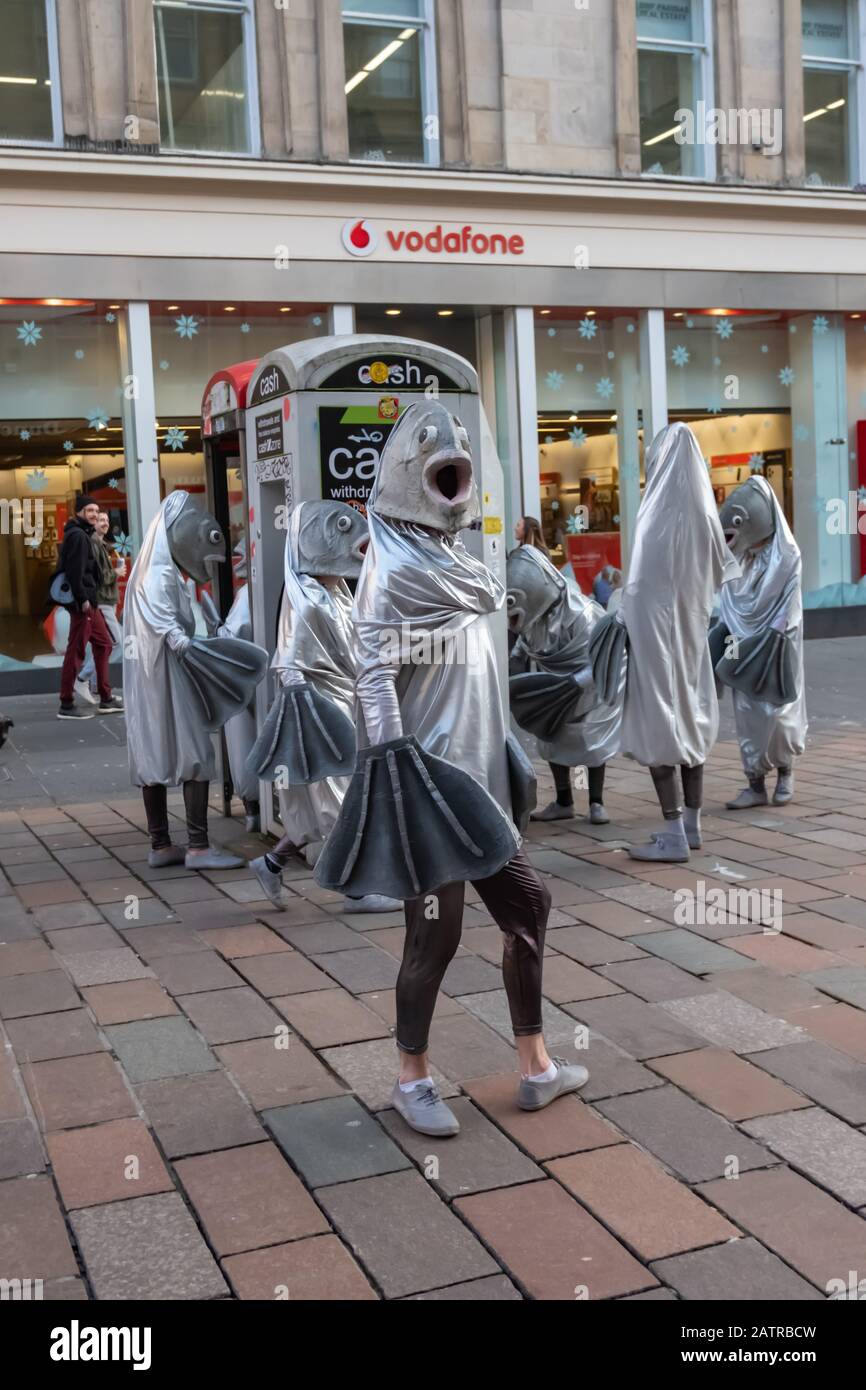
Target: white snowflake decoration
551,332
37,480
756,463
554,381
68,445
114,483
578,436
110,317
680,356
629,328
97,418
787,376
24,434
123,543
79,354
164,365
186,326
587,328
820,325
317,320
764,347
175,438
604,388
29,333
245,328
725,329
576,524
578,367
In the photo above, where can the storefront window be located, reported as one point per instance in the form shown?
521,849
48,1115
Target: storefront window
588,433
830,68
205,60
391,81
61,433
29,90
193,340
673,72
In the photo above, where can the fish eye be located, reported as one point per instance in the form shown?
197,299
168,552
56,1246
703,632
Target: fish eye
511,600
737,520
344,523
428,436
214,535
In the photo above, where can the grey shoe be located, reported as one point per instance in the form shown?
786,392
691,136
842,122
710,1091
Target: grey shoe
554,812
746,799
664,848
272,884
784,789
374,902
164,858
252,824
424,1110
535,1095
597,814
213,859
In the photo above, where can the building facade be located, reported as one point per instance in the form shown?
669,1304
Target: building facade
622,212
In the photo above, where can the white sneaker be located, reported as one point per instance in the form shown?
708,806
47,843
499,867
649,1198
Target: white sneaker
83,691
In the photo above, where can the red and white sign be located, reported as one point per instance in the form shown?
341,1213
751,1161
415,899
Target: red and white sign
361,238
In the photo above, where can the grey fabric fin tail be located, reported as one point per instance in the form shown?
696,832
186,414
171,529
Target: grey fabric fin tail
305,738
223,673
608,649
411,822
763,669
542,702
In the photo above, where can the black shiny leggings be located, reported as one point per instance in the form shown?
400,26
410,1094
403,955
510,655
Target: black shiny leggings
667,786
519,902
562,783
195,796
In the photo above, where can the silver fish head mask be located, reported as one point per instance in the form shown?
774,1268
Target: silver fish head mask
196,542
332,540
748,518
425,472
532,589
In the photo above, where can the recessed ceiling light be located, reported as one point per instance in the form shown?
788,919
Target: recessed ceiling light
856,316
114,306
445,313
171,307
230,308
590,313
678,316
286,309
544,311
393,313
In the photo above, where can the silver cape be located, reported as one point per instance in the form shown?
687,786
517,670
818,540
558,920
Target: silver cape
240,731
314,644
558,642
768,594
679,559
425,651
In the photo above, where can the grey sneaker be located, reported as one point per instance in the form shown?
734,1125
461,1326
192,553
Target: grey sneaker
664,848
784,789
374,902
213,859
424,1110
164,858
534,1095
746,799
272,884
554,812
597,814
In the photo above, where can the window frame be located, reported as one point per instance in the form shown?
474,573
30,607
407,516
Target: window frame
702,50
854,67
246,10
56,141
426,24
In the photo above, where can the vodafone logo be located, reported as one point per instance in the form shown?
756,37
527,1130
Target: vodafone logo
360,238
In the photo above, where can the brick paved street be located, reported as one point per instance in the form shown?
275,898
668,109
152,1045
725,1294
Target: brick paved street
194,1099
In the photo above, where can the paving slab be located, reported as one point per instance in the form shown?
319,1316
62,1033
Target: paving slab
838,1025
551,1245
148,1249
108,1162
159,1047
34,1243
491,1006
650,1211
361,969
284,972
847,982
230,1015
775,994
248,1198
197,972
496,1289
315,1269
640,1029
44,992
370,1069
465,1047
567,1127
741,1271
46,1036
330,1017
830,1078
198,1114
421,1246
237,942
566,980
690,951
687,1137
589,946
73,1091
829,1152
729,1022
469,974
653,980
20,1148
128,1001
480,1157
273,1075
25,958
728,1084
105,967
807,1228
97,937
332,1141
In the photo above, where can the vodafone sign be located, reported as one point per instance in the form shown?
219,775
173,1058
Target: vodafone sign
361,238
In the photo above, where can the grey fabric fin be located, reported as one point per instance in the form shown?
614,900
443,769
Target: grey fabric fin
411,822
223,672
608,647
522,784
305,738
764,668
542,702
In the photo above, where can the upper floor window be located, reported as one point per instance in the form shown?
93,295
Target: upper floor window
29,85
674,75
206,73
391,80
832,82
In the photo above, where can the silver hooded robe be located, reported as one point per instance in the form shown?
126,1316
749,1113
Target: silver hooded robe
768,594
679,559
166,739
558,642
240,732
314,644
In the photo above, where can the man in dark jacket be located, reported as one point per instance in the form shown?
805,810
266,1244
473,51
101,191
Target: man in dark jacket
78,561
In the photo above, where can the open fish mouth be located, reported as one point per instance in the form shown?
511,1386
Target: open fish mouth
447,479
731,538
359,549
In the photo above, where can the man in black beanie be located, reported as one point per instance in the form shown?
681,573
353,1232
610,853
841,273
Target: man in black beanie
79,562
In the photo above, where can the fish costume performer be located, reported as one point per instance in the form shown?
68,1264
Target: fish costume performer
440,786
307,744
671,713
553,696
179,688
763,611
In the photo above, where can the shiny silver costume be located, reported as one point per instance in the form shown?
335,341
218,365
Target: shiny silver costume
768,596
240,732
679,560
554,637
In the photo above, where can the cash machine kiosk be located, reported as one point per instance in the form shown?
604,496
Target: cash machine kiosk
317,417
